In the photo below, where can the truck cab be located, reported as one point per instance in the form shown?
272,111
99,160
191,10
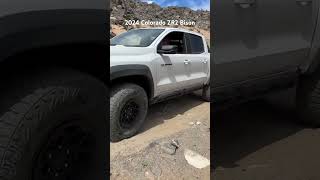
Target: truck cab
161,62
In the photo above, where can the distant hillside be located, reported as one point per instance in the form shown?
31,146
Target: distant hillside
122,10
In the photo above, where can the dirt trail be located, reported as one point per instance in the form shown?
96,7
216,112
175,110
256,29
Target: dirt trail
137,157
266,142
164,119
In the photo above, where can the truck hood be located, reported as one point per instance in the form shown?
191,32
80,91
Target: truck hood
129,51
121,55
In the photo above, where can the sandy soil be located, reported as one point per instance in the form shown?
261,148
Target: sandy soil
141,156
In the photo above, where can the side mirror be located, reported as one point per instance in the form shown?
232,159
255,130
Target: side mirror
168,49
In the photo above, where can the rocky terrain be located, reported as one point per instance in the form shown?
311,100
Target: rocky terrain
122,10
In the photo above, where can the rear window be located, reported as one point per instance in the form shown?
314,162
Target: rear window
195,44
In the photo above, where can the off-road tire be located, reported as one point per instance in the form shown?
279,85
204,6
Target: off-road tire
51,100
308,99
120,96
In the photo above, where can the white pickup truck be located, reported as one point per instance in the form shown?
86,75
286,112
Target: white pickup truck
151,65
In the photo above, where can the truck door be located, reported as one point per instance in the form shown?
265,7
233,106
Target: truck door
198,60
256,39
172,69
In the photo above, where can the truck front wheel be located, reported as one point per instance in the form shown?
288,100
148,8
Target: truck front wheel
128,110
55,128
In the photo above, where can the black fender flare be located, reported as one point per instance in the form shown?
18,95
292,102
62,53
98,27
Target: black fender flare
25,31
122,71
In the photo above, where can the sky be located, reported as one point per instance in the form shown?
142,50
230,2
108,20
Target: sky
193,4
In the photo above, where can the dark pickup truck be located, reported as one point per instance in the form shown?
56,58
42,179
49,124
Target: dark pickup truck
53,97
262,46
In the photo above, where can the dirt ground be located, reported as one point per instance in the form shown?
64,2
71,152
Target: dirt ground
185,120
258,141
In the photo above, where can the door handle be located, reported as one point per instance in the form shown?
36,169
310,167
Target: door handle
244,3
166,64
303,2
186,61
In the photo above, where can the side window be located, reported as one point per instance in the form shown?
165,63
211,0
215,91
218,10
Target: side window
195,44
177,39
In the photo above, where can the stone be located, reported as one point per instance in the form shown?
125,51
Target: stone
168,148
196,160
175,143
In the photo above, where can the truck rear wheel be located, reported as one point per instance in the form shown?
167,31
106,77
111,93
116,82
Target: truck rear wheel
128,110
308,99
206,93
56,129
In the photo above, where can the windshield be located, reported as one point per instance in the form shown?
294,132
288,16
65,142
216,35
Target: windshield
136,37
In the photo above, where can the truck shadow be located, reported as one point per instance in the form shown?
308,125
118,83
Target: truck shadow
243,130
160,112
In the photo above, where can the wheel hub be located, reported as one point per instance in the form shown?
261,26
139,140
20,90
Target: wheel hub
59,161
66,151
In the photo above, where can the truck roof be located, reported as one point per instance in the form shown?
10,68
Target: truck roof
177,29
